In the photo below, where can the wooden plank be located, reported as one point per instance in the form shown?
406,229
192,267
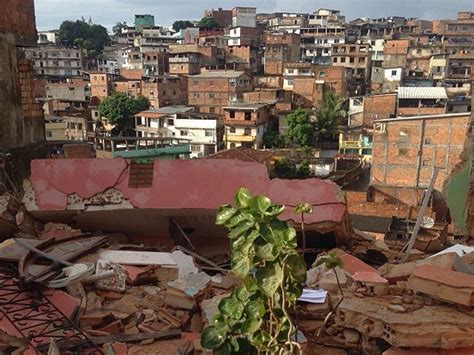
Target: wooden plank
129,338
11,251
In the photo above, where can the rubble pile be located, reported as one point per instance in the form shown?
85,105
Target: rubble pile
64,291
423,306
103,294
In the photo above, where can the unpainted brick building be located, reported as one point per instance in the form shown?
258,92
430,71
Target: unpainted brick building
280,48
21,118
210,91
407,150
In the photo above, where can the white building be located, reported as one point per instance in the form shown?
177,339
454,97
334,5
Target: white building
48,37
56,61
393,74
377,46
318,41
204,131
324,17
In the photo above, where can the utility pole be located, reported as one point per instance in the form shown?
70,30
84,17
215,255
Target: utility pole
421,214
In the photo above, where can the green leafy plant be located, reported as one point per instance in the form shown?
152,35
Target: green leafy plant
255,317
287,169
302,209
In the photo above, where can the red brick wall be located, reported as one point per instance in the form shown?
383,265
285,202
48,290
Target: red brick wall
18,17
31,109
378,107
399,166
396,46
78,151
208,97
100,86
259,116
131,74
415,111
304,88
334,78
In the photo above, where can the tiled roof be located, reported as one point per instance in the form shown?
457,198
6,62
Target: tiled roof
243,154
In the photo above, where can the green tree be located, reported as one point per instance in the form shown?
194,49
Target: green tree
119,110
287,169
272,139
86,35
329,116
182,24
119,26
301,129
208,22
256,318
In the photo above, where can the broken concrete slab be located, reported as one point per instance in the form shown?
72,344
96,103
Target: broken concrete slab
191,284
129,257
431,327
442,284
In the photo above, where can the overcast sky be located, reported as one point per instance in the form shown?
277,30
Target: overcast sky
50,13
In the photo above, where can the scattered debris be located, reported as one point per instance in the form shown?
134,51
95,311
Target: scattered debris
113,295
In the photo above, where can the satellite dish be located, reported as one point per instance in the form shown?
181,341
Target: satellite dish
428,222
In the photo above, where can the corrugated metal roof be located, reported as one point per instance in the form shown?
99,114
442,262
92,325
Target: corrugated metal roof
219,74
406,92
163,111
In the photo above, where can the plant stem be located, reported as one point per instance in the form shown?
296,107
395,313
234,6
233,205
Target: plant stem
304,234
338,282
326,320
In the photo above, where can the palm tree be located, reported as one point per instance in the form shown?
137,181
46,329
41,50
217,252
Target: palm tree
329,116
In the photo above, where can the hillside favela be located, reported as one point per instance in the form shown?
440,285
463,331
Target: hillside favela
210,177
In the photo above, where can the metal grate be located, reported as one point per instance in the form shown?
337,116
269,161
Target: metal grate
33,317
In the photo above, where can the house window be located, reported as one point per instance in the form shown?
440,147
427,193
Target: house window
170,122
183,133
212,110
394,72
208,133
247,131
343,59
232,145
49,134
334,60
232,114
248,116
211,95
404,137
402,152
351,59
232,129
